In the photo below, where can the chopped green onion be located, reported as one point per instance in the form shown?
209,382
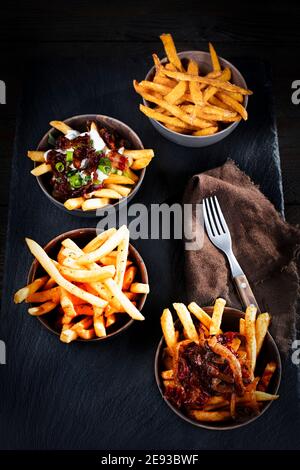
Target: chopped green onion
69,156
105,165
75,180
60,167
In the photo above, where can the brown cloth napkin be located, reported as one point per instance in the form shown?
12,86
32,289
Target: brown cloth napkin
264,244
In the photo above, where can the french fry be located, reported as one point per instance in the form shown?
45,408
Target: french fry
41,169
131,175
111,320
118,179
232,103
53,272
84,275
206,131
267,376
96,242
39,297
170,50
194,87
250,317
128,306
66,303
84,309
109,245
210,416
202,316
121,260
129,276
74,203
141,163
176,93
168,329
136,154
106,193
68,335
216,318
43,308
214,58
30,289
36,155
152,114
186,320
99,322
261,328
122,190
139,288
49,284
242,326
167,374
94,203
60,126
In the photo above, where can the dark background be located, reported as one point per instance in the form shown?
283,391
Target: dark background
267,30
33,32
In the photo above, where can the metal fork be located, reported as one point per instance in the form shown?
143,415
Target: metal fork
219,235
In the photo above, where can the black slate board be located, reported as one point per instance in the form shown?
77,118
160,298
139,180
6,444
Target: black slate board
104,396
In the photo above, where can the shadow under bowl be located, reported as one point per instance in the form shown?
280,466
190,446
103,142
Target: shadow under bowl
269,352
79,123
82,237
204,61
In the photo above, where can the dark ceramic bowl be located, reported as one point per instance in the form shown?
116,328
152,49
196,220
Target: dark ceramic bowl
269,352
204,61
79,123
82,236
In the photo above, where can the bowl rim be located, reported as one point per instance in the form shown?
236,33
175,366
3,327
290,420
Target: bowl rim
238,313
108,206
87,230
199,137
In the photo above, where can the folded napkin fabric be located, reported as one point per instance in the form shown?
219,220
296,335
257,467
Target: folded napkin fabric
264,244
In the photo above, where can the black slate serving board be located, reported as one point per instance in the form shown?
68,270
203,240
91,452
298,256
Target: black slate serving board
104,395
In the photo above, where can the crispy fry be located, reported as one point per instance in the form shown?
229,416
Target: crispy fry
210,416
152,114
167,374
30,289
122,190
214,58
43,308
51,294
170,50
84,275
60,126
41,169
176,93
206,131
136,154
99,322
131,175
74,203
217,316
124,301
242,326
168,329
232,103
141,163
53,272
109,245
267,376
261,328
129,276
95,203
202,316
139,288
250,335
96,242
106,193
36,155
122,255
186,320
117,179
194,87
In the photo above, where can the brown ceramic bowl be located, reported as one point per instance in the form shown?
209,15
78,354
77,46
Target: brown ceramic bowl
82,236
269,352
79,123
204,61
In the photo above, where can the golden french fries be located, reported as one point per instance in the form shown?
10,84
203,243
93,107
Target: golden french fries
261,328
217,102
208,373
86,297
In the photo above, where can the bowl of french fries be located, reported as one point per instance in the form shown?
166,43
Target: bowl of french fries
86,286
193,98
217,367
90,164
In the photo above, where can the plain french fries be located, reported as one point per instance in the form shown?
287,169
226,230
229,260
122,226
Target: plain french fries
214,58
250,317
194,87
140,163
170,50
43,308
26,291
129,276
128,306
36,155
60,126
99,322
168,329
232,103
121,260
261,328
136,154
118,179
207,131
96,242
53,272
267,376
216,318
186,320
109,245
139,288
106,193
41,169
84,275
152,114
39,297
176,93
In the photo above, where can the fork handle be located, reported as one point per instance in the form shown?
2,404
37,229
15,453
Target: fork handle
245,291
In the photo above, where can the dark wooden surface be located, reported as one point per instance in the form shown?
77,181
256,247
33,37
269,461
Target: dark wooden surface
35,33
